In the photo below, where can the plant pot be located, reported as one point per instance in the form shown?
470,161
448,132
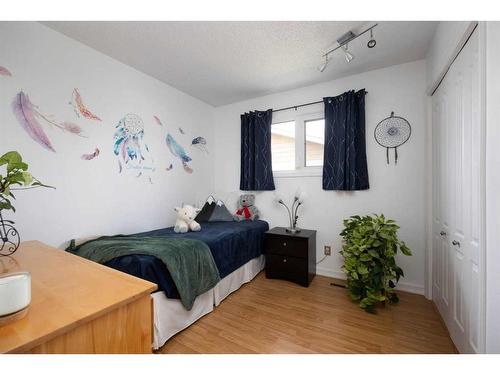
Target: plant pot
15,294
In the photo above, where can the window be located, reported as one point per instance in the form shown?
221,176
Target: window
283,146
314,142
297,143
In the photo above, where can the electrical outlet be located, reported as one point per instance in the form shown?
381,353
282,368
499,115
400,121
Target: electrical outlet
328,250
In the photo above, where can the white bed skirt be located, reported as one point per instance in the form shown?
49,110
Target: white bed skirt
170,316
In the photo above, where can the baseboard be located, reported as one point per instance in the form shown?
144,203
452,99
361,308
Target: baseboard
330,273
405,287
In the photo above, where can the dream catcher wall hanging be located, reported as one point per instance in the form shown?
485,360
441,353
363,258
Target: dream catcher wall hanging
392,132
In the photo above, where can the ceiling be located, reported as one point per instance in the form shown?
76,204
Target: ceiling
226,62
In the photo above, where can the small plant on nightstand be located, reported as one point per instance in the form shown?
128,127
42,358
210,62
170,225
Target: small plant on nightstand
370,246
14,176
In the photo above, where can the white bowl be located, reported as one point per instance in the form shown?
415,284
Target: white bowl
15,292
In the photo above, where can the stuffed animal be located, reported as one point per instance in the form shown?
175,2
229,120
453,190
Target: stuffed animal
246,209
185,219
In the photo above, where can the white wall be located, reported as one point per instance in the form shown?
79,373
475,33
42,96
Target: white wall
397,191
449,38
492,184
92,197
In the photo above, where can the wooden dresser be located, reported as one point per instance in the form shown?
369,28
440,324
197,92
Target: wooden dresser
77,306
291,256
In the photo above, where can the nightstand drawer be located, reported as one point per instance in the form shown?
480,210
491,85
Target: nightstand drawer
286,245
286,267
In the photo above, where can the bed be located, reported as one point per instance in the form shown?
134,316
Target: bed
237,249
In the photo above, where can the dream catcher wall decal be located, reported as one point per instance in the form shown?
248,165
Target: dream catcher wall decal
129,147
392,132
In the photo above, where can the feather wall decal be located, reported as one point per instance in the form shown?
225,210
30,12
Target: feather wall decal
186,167
200,143
26,114
80,108
72,128
157,120
65,126
176,149
92,155
29,117
5,72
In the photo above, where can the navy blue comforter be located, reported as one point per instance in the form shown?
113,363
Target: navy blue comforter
232,245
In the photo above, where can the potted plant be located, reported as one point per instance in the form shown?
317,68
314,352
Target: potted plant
14,176
370,246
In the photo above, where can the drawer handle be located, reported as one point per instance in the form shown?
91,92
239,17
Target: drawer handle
455,243
284,243
442,233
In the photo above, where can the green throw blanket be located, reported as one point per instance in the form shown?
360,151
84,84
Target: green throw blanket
189,261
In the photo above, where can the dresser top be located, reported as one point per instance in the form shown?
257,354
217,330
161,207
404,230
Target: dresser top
304,233
66,291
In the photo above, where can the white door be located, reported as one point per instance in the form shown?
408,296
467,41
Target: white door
457,200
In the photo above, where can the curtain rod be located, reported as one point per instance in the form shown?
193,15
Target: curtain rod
301,105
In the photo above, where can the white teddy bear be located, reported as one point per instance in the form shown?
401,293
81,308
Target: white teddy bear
185,219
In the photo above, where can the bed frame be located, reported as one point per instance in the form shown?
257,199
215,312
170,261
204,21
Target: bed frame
171,317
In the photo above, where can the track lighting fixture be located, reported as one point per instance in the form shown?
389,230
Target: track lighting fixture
343,44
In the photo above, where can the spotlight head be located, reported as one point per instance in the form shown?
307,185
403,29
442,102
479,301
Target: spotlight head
323,66
348,56
372,42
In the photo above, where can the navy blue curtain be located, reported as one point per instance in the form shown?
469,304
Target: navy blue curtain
256,166
344,161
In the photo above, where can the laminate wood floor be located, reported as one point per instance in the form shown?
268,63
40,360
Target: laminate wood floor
276,316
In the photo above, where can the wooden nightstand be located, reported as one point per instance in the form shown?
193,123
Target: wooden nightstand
291,256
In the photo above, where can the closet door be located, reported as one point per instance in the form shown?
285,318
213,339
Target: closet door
441,203
458,190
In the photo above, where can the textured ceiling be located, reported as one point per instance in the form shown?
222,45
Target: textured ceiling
225,62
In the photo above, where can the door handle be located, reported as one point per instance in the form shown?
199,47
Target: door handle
455,243
442,233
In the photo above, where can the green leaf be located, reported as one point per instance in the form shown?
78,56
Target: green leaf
405,249
16,166
5,206
11,157
27,177
365,257
362,270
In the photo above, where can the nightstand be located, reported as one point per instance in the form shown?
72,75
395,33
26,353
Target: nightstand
291,256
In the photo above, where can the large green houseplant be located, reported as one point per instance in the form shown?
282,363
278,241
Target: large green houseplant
370,246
